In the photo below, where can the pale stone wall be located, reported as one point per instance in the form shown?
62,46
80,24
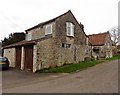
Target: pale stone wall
108,47
35,64
50,52
88,52
39,32
88,49
78,44
44,57
64,55
80,53
10,54
108,51
104,52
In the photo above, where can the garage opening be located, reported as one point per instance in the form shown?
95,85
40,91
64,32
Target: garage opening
18,57
28,65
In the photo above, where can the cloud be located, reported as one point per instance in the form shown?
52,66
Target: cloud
19,15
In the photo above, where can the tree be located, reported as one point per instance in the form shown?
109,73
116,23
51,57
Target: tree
115,35
13,38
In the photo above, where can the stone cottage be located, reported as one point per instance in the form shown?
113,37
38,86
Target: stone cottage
101,45
59,41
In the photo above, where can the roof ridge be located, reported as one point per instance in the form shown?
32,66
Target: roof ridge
48,21
98,33
98,39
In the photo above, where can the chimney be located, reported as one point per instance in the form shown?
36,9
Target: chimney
82,26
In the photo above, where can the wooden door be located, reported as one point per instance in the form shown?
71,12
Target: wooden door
18,57
28,58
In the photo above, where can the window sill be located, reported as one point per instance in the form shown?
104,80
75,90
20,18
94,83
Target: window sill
70,36
47,34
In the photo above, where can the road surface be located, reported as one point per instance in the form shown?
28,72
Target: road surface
102,78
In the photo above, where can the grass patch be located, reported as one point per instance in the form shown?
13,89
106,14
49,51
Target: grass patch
113,58
71,67
68,68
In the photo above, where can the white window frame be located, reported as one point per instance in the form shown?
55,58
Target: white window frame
29,36
70,29
46,29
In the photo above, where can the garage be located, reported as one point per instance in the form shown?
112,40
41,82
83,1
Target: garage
21,55
28,63
18,57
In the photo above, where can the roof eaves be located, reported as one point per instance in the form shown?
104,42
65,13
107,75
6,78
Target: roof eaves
22,43
41,24
46,22
78,22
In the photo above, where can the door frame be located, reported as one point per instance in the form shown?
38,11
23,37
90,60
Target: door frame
28,60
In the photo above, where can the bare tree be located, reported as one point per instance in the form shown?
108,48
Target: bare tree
115,35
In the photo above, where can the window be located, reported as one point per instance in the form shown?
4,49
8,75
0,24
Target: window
48,29
29,36
65,45
70,29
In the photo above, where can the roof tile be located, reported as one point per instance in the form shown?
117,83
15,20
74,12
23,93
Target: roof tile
98,39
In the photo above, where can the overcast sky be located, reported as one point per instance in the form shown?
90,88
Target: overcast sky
19,15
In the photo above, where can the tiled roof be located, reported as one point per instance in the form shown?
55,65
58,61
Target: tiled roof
52,20
25,42
47,22
98,39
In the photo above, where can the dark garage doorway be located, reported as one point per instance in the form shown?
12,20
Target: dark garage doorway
18,57
28,65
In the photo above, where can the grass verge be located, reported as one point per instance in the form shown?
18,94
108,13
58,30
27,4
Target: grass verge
68,68
113,58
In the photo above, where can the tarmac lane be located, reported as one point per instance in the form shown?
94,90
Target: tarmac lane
102,78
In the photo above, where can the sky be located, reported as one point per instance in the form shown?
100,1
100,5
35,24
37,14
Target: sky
97,16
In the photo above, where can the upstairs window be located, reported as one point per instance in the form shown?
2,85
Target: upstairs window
48,29
70,29
29,36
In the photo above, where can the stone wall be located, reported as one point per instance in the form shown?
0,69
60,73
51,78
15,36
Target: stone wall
104,52
35,63
51,52
39,32
108,47
44,54
10,54
76,52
